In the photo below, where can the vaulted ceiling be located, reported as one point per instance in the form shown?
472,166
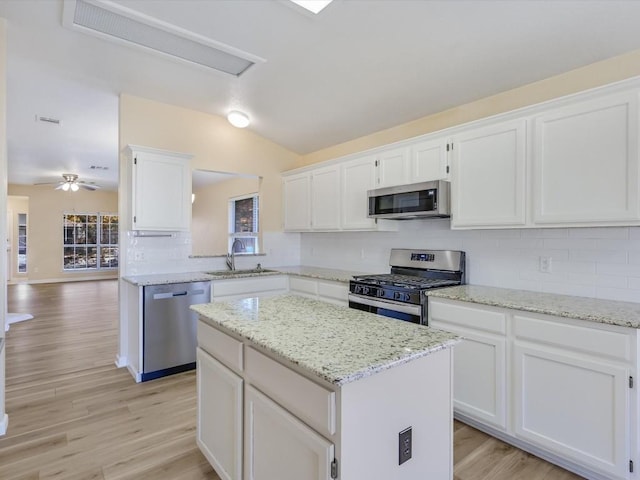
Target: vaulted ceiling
358,67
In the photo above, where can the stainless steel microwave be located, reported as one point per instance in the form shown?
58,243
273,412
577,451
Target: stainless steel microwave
418,200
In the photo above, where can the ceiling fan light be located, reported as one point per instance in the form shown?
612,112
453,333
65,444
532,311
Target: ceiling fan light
74,187
238,119
65,187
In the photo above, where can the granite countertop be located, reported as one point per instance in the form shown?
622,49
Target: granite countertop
242,273
311,272
165,278
319,273
335,343
612,312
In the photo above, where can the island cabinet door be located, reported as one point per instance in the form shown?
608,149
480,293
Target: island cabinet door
575,407
279,446
219,428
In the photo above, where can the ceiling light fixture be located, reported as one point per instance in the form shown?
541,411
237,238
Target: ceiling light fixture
238,119
314,6
65,186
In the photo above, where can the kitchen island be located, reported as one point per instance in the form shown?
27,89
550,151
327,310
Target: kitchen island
290,387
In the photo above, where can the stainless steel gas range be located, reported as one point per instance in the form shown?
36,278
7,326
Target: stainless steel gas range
401,294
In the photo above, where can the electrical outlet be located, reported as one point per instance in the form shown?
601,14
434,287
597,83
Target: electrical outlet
138,256
545,264
404,445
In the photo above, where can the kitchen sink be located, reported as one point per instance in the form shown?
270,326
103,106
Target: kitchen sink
250,272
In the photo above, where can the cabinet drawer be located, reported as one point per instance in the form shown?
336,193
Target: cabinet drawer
477,318
224,348
303,285
336,291
249,286
310,402
593,340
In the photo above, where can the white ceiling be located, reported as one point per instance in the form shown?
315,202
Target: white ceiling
358,67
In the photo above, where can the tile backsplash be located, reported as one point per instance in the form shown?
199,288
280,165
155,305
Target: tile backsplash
590,262
169,253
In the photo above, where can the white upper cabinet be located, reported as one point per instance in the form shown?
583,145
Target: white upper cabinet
332,197
429,161
420,161
393,167
297,202
488,179
358,176
160,190
585,162
569,162
325,198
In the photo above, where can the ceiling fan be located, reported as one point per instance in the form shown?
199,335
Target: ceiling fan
71,182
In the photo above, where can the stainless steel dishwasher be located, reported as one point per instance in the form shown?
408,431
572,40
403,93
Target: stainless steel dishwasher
169,327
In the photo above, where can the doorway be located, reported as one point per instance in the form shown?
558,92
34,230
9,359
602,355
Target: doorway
17,238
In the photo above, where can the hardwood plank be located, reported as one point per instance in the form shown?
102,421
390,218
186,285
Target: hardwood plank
73,415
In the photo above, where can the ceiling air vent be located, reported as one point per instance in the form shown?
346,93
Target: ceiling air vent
111,21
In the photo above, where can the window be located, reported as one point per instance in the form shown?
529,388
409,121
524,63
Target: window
243,224
90,241
22,243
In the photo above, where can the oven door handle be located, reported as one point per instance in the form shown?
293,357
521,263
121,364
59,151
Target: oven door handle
387,304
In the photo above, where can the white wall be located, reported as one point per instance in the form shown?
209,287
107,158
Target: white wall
590,262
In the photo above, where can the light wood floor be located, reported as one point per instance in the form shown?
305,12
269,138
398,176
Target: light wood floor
73,415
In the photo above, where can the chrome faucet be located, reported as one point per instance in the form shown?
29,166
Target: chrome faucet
231,257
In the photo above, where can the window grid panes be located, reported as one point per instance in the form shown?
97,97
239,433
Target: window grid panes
90,241
243,224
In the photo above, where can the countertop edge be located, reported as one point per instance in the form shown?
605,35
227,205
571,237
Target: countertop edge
318,273
608,312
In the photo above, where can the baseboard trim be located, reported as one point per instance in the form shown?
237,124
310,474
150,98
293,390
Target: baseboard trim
4,424
527,447
136,376
70,279
120,361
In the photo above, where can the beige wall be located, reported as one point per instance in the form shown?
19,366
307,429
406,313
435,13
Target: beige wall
45,242
210,214
15,206
594,75
213,142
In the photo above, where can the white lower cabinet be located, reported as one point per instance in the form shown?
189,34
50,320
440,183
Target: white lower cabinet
573,406
480,367
279,446
325,290
558,387
220,407
235,288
